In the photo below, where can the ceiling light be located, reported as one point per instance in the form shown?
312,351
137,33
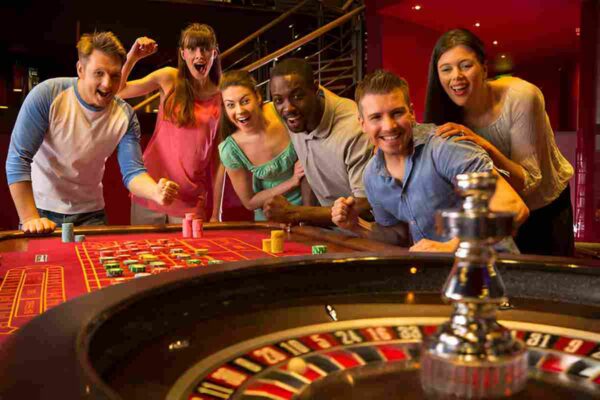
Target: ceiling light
477,24
495,43
503,56
416,7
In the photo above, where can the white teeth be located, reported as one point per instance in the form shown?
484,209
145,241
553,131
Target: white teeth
389,138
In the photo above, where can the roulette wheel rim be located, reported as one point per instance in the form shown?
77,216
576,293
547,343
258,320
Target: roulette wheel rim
95,312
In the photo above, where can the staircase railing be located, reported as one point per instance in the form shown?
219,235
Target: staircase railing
346,66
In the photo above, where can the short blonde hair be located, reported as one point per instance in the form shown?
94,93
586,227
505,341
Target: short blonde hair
105,42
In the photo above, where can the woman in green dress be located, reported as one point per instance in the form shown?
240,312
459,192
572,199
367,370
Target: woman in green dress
256,150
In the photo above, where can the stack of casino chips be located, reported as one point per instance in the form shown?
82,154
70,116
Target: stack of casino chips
266,245
197,228
319,249
68,235
277,241
186,225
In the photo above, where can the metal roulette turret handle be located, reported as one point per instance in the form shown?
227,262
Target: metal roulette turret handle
472,356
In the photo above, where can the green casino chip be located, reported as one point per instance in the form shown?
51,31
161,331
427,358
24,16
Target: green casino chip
112,272
319,249
136,268
113,264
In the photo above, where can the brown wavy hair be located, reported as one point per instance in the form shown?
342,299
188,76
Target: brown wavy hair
179,102
235,78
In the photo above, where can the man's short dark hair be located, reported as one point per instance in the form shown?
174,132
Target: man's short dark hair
294,66
105,42
381,82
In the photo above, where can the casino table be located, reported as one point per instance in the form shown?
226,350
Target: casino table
342,325
39,273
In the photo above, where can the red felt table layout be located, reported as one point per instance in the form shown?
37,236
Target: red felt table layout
51,272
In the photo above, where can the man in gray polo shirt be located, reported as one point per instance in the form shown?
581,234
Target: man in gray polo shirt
328,139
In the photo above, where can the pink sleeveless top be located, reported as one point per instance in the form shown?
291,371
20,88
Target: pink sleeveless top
184,155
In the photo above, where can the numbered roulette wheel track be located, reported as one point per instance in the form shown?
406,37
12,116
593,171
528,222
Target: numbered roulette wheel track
346,326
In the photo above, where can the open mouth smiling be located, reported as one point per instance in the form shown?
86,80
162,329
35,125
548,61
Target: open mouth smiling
200,67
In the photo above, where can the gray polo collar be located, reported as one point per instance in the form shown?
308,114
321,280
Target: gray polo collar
324,128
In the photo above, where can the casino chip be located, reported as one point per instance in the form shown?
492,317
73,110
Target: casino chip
201,252
158,264
111,265
277,241
112,272
137,268
319,249
67,233
266,245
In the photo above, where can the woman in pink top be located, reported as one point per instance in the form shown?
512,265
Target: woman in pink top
184,144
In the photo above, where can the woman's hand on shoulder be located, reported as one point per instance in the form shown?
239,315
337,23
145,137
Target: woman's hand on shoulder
460,132
143,47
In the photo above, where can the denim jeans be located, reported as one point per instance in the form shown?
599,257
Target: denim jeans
89,218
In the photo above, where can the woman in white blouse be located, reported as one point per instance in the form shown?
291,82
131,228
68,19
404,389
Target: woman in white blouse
507,118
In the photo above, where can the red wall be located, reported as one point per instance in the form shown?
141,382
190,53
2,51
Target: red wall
406,49
558,81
